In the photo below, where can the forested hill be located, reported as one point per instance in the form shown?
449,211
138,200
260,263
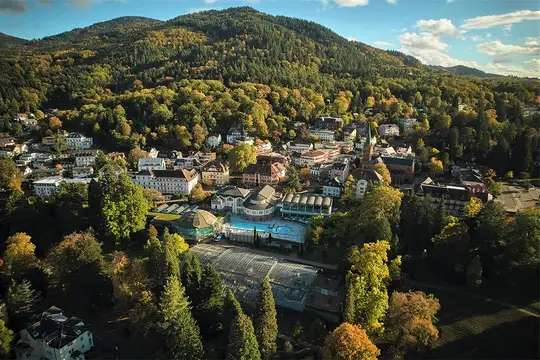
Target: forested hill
6,39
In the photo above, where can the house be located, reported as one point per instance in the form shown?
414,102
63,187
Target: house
82,171
6,140
363,179
321,171
168,181
310,158
328,123
151,164
231,199
233,135
299,147
387,130
153,153
350,132
13,150
261,204
340,170
77,141
406,124
113,156
54,336
28,122
273,157
332,187
25,170
214,140
188,163
263,174
215,173
48,141
323,134
48,186
404,151
86,157
305,205
263,148
384,150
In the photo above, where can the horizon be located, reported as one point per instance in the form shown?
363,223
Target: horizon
504,40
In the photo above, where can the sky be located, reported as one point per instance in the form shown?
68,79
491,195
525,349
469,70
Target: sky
496,36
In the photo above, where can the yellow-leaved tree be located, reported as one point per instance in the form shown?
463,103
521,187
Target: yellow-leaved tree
349,342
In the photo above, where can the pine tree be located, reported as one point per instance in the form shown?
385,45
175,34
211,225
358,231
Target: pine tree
210,307
179,328
231,310
242,341
439,220
265,321
190,275
21,299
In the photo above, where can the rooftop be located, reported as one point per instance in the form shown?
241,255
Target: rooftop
308,199
233,191
215,166
56,329
397,161
198,219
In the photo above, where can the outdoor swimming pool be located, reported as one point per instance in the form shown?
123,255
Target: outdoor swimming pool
287,230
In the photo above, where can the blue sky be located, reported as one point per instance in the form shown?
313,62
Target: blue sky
498,36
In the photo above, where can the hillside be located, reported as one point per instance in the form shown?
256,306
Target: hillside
6,39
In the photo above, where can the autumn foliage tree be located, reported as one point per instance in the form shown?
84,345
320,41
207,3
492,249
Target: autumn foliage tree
382,170
349,342
19,256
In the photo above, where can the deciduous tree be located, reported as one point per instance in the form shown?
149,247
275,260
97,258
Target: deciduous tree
241,156
6,339
382,170
349,342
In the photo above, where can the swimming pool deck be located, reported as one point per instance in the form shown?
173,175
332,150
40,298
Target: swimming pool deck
280,229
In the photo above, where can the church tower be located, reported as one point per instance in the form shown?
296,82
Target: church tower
367,152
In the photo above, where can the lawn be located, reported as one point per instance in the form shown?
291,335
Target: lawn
163,216
472,327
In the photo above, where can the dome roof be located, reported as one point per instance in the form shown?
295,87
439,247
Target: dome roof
199,219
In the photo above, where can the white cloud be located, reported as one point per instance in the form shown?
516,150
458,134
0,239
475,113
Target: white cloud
429,49
382,44
485,22
476,38
532,42
351,3
534,63
209,1
442,27
450,1
503,69
352,38
497,48
392,1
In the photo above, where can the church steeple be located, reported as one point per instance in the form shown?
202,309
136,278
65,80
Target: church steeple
367,152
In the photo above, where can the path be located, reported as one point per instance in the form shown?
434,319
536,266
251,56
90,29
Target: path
486,299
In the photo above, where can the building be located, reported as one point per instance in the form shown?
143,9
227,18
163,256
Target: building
384,150
25,170
231,199
363,179
401,169
86,157
454,196
215,173
299,147
151,164
54,337
368,147
404,151
188,163
406,124
196,225
168,181
77,141
233,135
214,140
328,123
320,171
261,204
13,150
340,170
48,141
273,157
323,134
153,153
263,174
6,140
332,187
306,205
387,130
48,186
264,147
81,172
113,156
350,132
310,158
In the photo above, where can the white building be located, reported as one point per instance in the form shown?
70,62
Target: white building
407,124
85,158
299,147
81,172
386,130
153,153
214,141
263,148
230,198
77,141
233,135
324,135
168,181
13,150
151,164
49,186
332,188
54,337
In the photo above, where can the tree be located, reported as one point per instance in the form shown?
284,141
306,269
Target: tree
379,229
21,299
210,307
304,174
190,276
265,321
474,272
435,166
410,321
241,156
134,155
123,208
491,235
349,189
19,257
231,310
494,187
128,279
293,180
6,339
60,143
179,328
473,207
197,195
451,248
349,342
382,170
242,341
523,250
10,176
153,196
318,331
382,201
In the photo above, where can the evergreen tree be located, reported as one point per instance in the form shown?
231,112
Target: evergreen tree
242,341
265,321
231,310
179,328
21,299
190,275
439,219
210,307
474,272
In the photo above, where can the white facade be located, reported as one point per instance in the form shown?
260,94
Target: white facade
76,141
13,150
214,140
54,337
85,158
153,153
407,124
49,186
168,181
233,135
324,135
332,191
386,130
151,164
264,147
299,147
361,188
